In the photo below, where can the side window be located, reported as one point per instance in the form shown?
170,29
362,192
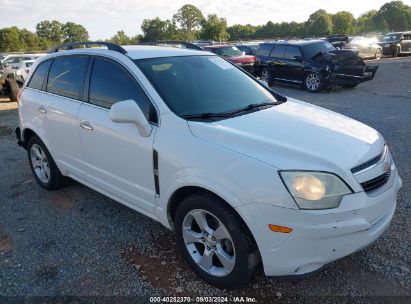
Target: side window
37,80
278,51
291,52
111,83
264,50
66,77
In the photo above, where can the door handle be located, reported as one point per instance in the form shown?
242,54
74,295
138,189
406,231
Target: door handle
86,125
42,110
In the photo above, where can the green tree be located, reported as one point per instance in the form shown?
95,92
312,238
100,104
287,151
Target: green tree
10,40
190,19
371,21
396,14
343,23
157,29
73,32
319,24
122,39
215,28
50,30
240,31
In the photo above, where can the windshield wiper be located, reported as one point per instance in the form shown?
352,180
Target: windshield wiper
206,115
251,107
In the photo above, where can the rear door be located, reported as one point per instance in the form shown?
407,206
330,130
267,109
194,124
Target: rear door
117,159
65,87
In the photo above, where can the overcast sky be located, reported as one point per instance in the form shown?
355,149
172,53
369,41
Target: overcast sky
103,18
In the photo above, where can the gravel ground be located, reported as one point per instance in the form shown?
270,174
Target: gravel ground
76,242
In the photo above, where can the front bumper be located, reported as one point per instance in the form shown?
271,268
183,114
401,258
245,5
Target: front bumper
349,79
319,236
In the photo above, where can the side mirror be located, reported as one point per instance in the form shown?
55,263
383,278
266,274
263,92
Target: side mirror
128,111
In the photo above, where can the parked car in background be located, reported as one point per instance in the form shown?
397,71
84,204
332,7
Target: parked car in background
234,55
14,60
314,64
338,41
364,46
397,43
248,48
8,83
23,70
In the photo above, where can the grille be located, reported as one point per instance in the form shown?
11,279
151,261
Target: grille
377,182
368,163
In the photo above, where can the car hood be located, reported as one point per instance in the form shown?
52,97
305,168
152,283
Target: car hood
241,59
295,135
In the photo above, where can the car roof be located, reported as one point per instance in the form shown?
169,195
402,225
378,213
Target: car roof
133,51
295,42
218,46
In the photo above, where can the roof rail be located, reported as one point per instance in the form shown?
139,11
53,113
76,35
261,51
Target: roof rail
70,46
187,45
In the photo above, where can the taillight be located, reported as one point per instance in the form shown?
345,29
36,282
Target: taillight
254,58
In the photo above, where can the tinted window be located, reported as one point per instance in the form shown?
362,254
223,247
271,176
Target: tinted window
278,51
192,85
312,49
291,52
264,50
66,77
39,75
110,83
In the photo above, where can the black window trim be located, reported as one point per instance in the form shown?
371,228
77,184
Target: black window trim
130,75
81,90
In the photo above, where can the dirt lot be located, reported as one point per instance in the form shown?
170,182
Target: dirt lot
76,242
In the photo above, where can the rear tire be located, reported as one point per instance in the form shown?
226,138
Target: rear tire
215,241
396,52
42,165
12,88
313,82
378,54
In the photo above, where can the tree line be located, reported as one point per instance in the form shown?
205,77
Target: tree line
189,24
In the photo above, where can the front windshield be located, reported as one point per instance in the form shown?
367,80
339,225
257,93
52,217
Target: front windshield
193,85
391,37
229,51
312,49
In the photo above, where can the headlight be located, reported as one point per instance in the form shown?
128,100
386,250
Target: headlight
315,190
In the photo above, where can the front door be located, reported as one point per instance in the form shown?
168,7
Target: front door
117,159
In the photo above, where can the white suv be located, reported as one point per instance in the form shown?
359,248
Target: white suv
243,175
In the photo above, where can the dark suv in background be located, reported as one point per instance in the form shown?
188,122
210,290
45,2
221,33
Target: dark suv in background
315,64
395,44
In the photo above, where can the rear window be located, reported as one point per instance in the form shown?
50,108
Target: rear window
66,77
264,50
278,51
310,50
37,80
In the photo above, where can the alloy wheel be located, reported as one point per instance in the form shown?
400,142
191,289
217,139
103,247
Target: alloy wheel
265,75
312,81
208,243
40,163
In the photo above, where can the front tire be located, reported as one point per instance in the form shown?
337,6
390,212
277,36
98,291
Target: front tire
42,165
215,242
265,75
313,82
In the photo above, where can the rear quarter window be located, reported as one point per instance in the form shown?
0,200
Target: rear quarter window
37,80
